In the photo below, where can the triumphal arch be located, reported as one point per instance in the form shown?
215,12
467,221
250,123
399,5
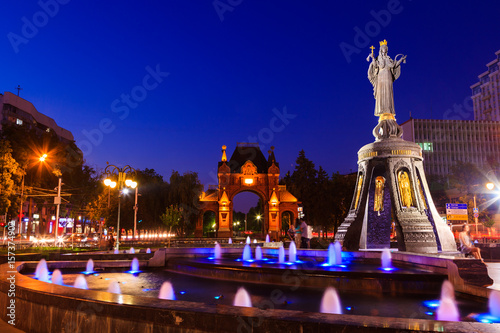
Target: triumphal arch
247,171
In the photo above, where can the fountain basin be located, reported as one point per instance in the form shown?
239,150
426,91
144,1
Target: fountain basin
50,308
74,309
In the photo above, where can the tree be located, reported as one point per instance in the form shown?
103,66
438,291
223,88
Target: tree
171,219
343,190
302,184
184,191
9,172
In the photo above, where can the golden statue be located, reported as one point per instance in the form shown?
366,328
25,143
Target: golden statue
358,191
405,189
378,205
422,196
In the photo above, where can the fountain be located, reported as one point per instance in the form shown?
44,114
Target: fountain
132,250
242,298
167,291
332,258
447,310
247,253
248,239
80,282
267,238
281,255
90,267
114,287
116,251
41,264
386,260
338,252
57,277
258,253
292,252
230,241
134,266
447,290
148,250
217,251
43,274
255,241
330,303
494,303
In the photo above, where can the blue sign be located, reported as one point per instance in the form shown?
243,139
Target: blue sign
456,206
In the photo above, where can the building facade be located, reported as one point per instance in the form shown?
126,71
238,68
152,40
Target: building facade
486,92
444,142
16,110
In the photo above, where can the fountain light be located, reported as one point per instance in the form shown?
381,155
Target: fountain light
330,303
134,267
167,291
80,282
57,277
90,267
242,298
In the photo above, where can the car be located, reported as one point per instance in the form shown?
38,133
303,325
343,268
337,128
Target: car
76,238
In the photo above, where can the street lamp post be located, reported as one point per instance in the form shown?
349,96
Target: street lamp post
121,173
136,207
57,201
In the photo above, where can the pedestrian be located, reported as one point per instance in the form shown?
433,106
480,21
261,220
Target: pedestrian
466,245
297,234
291,233
111,242
304,235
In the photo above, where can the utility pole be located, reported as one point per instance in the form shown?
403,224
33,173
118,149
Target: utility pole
57,201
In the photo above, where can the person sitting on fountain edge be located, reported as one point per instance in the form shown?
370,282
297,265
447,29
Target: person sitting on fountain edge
466,245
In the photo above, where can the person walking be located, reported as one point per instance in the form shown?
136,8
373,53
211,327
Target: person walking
304,235
297,234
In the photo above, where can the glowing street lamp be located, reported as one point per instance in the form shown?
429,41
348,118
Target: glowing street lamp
490,186
121,173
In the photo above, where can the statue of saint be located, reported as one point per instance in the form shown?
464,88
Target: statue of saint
383,71
405,189
378,205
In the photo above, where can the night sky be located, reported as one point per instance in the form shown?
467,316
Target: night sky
229,74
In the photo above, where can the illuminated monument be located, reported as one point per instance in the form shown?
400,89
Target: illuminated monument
248,171
391,186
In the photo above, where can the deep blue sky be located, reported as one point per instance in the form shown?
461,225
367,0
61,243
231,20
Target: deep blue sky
226,76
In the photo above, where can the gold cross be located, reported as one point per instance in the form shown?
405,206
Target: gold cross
372,48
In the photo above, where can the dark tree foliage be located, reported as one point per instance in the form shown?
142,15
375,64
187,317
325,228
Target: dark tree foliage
325,199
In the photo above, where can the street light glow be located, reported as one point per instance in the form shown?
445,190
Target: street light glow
107,181
43,157
112,184
490,186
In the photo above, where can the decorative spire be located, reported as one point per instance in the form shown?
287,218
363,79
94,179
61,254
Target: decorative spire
224,157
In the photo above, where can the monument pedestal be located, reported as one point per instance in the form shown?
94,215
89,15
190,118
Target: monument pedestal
392,196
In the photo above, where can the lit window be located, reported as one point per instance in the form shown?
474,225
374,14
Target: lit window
19,122
248,181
